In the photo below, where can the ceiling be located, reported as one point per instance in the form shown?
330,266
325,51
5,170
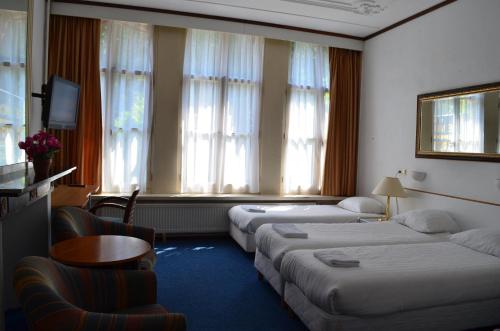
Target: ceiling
358,18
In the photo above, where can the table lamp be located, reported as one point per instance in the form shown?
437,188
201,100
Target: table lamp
389,187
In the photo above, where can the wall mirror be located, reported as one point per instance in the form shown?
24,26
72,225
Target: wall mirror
15,83
461,124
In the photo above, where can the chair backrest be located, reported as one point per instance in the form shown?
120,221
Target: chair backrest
128,217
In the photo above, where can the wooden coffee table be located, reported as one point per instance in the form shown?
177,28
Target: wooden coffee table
100,251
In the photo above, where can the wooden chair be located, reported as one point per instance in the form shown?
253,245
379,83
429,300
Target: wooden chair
122,203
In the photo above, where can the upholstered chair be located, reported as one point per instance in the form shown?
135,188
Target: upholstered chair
72,222
58,297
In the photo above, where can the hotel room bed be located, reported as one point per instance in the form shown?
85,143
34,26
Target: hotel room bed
272,247
424,286
244,223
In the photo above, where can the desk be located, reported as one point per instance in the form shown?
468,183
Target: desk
100,251
75,196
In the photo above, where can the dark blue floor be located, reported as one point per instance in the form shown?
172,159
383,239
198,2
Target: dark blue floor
214,283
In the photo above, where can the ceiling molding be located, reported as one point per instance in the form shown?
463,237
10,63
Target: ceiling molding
213,17
360,7
268,24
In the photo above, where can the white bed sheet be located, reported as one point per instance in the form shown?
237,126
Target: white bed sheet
250,221
395,278
274,246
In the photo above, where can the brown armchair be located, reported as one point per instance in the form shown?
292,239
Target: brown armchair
122,203
58,297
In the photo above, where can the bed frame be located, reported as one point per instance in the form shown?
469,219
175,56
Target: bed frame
267,272
244,239
454,317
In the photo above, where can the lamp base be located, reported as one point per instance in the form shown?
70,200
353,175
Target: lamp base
388,208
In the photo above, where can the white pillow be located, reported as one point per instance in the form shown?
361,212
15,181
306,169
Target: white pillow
428,221
485,240
362,205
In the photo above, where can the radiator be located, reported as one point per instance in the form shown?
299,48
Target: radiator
179,218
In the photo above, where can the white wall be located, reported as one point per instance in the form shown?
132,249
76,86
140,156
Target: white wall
455,46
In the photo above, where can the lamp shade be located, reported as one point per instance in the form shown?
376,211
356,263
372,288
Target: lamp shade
390,186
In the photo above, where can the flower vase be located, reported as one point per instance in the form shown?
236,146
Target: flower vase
41,166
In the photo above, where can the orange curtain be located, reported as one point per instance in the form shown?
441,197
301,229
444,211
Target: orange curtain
74,55
341,158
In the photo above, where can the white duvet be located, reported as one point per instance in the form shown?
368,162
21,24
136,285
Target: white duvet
395,278
249,221
274,246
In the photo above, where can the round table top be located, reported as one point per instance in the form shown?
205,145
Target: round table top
97,251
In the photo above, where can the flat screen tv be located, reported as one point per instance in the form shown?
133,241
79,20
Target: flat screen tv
61,103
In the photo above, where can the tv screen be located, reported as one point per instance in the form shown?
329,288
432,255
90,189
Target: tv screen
61,104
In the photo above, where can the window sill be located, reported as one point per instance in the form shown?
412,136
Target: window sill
229,198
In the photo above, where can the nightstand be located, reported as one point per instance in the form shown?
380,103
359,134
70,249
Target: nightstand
371,220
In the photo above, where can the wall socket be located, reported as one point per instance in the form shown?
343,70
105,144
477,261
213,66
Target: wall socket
403,171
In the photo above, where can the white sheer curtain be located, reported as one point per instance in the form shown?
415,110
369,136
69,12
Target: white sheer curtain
12,84
220,112
126,65
308,106
458,124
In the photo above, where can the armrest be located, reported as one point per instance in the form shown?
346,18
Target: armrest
106,205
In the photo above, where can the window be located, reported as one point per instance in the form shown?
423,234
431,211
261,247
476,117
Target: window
220,112
307,118
126,65
12,85
458,124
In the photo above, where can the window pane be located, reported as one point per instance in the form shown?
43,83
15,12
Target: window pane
307,119
220,117
126,64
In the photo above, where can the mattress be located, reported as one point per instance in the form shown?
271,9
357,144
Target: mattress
465,316
274,246
249,221
395,278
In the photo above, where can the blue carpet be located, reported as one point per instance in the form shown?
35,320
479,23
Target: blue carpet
214,283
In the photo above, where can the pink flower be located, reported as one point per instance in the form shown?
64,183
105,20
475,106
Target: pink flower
41,144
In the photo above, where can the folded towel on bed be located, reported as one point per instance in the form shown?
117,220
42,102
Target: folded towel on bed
336,259
289,231
253,209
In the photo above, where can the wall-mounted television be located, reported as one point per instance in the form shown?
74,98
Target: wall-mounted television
60,104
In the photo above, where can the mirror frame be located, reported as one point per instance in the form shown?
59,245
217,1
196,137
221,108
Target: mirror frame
484,157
